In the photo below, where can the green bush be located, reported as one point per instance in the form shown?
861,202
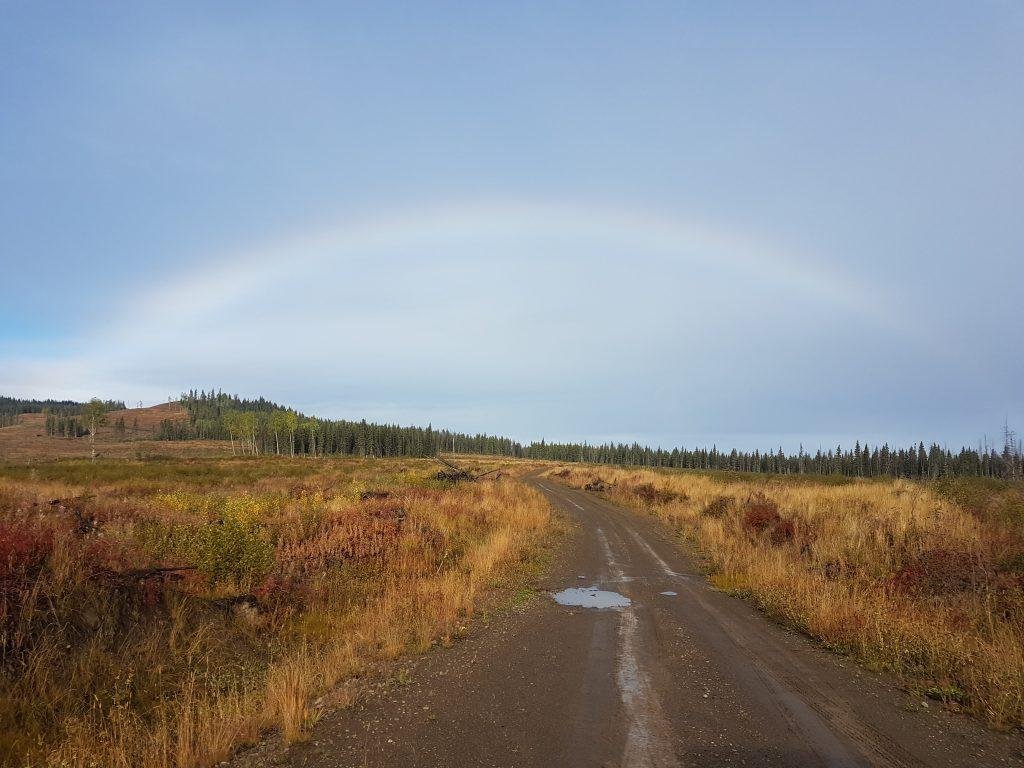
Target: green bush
233,547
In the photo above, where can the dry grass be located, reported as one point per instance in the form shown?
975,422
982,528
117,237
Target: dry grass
925,581
297,574
27,439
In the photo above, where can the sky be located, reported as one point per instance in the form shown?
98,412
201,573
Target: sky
743,224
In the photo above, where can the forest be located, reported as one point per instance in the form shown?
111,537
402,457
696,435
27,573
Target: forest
861,461
261,426
63,411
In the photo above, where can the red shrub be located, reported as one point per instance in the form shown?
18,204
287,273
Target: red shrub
783,532
654,495
282,590
939,572
23,549
761,515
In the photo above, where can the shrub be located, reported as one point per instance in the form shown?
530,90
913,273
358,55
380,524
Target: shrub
938,572
233,547
651,494
24,550
761,515
237,547
718,507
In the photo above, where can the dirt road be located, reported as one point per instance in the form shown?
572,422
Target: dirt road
681,676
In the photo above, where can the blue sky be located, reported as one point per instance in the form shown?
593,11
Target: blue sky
682,223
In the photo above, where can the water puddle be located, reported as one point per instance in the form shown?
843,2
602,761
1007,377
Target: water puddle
591,597
670,594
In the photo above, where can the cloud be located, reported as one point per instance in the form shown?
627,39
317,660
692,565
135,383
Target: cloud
474,310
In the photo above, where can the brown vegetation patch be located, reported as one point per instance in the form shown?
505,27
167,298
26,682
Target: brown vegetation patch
761,516
939,572
652,494
718,507
155,613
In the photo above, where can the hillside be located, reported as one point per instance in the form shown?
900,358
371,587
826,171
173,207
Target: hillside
27,439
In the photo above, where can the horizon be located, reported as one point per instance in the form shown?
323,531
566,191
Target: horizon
983,446
749,227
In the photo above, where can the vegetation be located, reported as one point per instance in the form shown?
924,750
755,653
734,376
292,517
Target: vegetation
160,613
860,461
94,415
259,426
926,580
12,407
64,426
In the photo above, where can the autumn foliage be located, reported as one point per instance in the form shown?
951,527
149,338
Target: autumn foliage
161,613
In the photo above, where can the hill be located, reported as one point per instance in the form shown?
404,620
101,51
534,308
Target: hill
27,440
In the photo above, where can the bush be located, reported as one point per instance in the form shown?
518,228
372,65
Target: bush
938,572
719,507
234,546
654,495
762,516
24,550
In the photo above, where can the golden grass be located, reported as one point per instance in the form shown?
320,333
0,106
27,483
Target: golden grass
892,572
301,579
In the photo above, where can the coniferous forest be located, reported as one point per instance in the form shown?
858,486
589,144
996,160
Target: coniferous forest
260,426
60,413
859,461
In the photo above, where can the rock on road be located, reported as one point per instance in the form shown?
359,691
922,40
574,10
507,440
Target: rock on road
681,676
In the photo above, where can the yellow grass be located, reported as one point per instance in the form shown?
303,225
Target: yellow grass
889,571
301,584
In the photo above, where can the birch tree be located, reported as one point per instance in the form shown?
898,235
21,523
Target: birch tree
94,414
291,419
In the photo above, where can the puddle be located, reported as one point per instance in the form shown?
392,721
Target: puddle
591,597
670,594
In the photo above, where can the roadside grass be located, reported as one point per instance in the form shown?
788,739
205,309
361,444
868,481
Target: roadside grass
163,613
922,579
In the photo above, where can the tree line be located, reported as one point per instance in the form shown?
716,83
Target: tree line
261,426
63,412
860,461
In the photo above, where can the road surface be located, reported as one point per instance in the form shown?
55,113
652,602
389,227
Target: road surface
681,676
